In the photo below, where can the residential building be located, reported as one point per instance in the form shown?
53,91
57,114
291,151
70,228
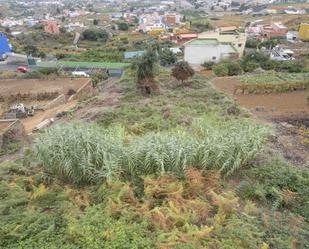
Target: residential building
303,33
184,37
280,54
261,32
291,36
51,27
198,51
227,35
274,30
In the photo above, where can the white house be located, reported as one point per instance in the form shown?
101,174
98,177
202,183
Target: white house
198,51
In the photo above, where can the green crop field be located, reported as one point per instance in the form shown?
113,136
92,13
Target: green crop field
84,64
273,78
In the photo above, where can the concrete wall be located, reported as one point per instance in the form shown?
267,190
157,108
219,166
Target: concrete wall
198,54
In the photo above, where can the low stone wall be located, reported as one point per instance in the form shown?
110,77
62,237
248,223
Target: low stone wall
84,91
14,132
55,102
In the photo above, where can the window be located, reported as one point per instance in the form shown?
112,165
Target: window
214,57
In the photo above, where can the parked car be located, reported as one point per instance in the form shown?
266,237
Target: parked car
80,74
22,70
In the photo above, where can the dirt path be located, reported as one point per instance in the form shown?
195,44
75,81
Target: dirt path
40,116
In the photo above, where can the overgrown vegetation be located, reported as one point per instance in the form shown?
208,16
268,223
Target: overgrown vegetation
175,169
255,60
102,154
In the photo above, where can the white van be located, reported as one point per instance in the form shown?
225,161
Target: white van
80,74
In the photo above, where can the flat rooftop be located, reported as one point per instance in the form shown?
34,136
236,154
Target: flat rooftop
203,42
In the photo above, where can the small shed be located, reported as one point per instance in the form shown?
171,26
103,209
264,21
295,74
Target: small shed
133,54
5,47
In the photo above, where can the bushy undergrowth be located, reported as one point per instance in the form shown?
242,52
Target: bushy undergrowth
194,212
279,183
82,153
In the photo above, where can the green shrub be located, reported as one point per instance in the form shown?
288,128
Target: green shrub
269,44
123,26
277,177
41,73
228,68
221,70
245,190
95,35
257,57
268,64
252,43
234,68
294,66
98,77
208,65
250,66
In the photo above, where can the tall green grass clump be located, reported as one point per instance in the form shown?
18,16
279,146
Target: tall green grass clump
208,144
79,153
227,145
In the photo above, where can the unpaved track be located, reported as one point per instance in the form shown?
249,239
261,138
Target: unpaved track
31,122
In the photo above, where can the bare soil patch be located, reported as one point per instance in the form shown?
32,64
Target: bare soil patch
266,106
11,90
3,126
289,112
8,87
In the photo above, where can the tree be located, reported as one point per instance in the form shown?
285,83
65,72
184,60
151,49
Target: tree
167,57
62,30
145,71
182,71
252,43
31,50
95,35
123,26
95,22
